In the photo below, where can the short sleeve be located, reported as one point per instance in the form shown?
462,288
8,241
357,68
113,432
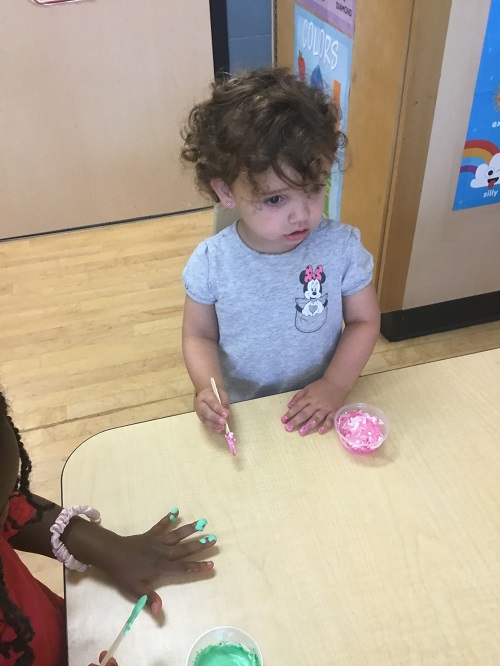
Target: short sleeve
196,276
358,267
20,512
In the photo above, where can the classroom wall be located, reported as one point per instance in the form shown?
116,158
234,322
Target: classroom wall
93,95
249,28
454,253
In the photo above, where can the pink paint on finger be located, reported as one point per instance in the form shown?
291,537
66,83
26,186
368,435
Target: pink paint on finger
231,442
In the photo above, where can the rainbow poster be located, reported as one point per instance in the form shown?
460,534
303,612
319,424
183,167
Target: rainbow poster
479,178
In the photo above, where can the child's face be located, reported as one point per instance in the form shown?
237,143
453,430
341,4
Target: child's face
280,217
9,465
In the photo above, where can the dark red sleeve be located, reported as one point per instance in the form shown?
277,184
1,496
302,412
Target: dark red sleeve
20,512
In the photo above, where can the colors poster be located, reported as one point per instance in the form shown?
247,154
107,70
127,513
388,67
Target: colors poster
479,178
337,13
323,57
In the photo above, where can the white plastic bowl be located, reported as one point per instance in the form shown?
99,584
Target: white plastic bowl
223,635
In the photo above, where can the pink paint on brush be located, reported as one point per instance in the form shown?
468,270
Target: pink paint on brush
231,442
229,435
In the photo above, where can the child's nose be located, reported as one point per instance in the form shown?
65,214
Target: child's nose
300,212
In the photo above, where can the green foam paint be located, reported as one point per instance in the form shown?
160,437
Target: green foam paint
174,513
210,538
226,654
200,525
133,615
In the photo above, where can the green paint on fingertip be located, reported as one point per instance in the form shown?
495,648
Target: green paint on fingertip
211,538
201,524
204,540
135,612
174,514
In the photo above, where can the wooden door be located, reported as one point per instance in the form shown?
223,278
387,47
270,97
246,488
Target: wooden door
93,94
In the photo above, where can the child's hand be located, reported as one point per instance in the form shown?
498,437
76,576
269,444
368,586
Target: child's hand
111,662
211,413
136,563
314,407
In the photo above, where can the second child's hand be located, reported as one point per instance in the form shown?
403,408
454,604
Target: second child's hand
137,563
314,407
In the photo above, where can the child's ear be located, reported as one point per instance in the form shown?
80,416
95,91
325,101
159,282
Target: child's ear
223,191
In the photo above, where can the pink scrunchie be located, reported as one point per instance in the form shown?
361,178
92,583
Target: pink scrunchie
60,551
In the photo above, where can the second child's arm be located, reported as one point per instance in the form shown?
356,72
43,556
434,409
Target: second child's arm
135,563
200,347
316,404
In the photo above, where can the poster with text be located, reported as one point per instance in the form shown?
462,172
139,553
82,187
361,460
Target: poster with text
479,178
337,13
323,59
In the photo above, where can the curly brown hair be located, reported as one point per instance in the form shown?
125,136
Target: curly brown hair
258,120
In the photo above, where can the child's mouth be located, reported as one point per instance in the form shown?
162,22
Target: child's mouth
297,235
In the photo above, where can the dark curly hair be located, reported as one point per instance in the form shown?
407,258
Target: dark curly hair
13,616
263,119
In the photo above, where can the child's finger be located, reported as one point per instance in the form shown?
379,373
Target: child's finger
176,536
296,409
193,547
213,415
111,662
182,567
154,602
328,424
214,426
307,427
297,418
295,398
224,398
166,522
188,548
313,422
137,589
217,407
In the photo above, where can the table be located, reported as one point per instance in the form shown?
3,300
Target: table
326,558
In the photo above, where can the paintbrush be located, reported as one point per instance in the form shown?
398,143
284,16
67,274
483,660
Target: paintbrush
229,435
126,628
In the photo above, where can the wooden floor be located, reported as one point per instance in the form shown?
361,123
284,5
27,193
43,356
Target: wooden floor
90,338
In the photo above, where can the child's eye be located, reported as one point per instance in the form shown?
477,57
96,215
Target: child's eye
274,201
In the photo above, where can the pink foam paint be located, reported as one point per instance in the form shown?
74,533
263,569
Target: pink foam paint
229,435
361,427
231,442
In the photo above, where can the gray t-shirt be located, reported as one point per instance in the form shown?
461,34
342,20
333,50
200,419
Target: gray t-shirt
279,315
